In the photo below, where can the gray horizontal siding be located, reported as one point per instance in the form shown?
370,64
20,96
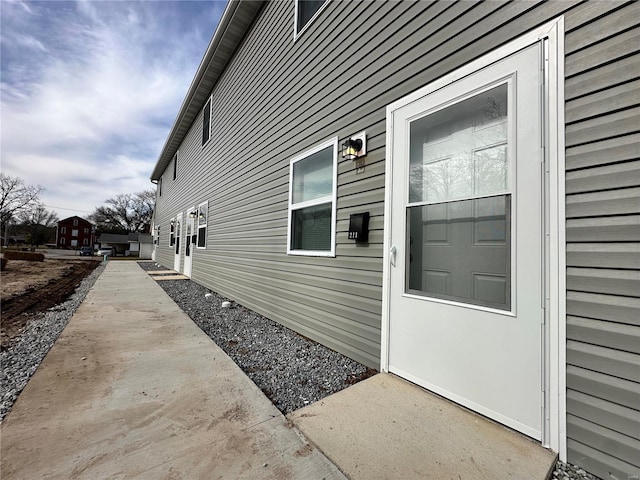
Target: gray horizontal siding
600,438
335,300
278,98
605,281
606,387
616,202
603,237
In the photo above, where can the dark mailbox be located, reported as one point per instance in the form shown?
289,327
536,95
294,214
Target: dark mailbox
359,227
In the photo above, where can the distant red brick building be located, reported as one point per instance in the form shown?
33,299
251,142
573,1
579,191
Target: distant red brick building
75,232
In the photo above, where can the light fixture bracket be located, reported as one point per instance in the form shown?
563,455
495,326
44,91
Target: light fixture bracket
355,146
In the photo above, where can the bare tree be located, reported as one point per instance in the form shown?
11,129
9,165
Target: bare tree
39,215
39,222
16,196
125,212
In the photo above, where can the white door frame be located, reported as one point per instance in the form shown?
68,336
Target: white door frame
187,264
178,239
554,328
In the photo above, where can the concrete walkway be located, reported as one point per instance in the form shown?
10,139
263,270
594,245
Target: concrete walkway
133,389
387,428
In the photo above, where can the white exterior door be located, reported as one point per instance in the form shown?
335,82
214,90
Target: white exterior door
465,277
178,234
189,243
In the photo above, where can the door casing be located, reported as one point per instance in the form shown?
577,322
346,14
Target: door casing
177,252
189,245
554,327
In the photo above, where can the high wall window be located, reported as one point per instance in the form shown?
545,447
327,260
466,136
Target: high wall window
312,201
175,165
63,230
206,122
203,212
75,222
86,231
305,13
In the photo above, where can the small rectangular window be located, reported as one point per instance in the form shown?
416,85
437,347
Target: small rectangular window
172,233
75,222
203,211
206,122
63,230
305,12
175,165
63,241
74,232
312,201
86,231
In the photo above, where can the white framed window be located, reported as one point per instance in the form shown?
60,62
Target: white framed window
63,241
172,232
206,122
75,222
312,201
201,221
86,231
63,230
175,165
305,12
74,232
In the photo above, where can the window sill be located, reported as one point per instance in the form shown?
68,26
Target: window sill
311,253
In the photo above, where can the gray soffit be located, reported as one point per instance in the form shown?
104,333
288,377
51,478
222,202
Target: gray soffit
233,26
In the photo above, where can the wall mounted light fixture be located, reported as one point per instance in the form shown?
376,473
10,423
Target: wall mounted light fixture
193,214
355,147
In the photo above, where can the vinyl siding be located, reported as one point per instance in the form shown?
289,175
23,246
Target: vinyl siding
278,98
602,93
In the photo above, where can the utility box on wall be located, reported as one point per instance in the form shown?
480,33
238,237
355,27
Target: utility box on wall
359,227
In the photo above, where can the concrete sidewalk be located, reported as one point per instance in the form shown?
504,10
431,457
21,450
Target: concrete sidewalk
387,428
133,389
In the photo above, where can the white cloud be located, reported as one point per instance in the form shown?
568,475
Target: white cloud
85,114
30,42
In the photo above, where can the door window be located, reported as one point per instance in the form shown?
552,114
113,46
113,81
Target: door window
459,205
187,251
177,238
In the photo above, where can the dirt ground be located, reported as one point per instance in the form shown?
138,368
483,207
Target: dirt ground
27,288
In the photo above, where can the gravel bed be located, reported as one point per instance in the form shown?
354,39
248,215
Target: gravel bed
291,370
24,353
566,471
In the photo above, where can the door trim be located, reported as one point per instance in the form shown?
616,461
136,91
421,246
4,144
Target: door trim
188,220
554,327
177,257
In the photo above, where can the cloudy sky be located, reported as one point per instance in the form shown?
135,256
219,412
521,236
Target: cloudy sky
90,89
